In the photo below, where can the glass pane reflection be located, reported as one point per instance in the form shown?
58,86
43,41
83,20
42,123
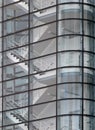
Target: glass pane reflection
19,114
89,91
0,120
15,40
70,123
43,111
15,101
68,11
69,91
16,85
69,107
46,124
15,10
9,2
16,24
89,107
69,75
14,71
89,123
69,27
70,42
16,127
43,95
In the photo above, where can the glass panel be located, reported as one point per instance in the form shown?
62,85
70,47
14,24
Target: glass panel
43,17
89,60
67,1
69,107
16,55
15,101
0,89
70,123
16,85
89,76
69,59
69,91
43,79
70,42
17,127
43,48
1,2
16,70
34,83
89,44
69,27
43,95
0,36
89,91
69,75
89,12
47,78
15,10
43,111
0,15
15,116
16,40
0,43
10,1
40,4
89,107
89,28
0,104
89,1
0,74
46,124
16,24
69,11
0,120
42,64
43,32
0,59
89,123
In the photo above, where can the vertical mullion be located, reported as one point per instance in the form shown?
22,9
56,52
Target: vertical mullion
28,62
2,55
82,64
29,65
56,59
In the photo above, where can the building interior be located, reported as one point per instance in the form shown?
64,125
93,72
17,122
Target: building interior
45,65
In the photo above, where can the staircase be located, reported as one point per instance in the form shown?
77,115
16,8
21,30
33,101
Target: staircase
21,118
17,117
39,65
43,77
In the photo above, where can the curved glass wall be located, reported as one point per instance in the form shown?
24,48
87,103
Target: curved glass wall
75,104
47,55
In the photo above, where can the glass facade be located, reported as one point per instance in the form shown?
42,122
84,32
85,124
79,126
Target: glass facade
47,64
